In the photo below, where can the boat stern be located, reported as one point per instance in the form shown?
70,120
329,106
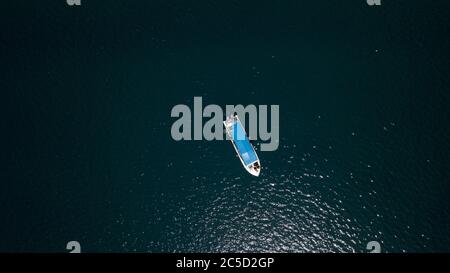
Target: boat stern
254,168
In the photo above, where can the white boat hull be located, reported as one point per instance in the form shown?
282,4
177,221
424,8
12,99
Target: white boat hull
252,165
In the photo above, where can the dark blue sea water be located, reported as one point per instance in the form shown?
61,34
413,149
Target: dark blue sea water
87,154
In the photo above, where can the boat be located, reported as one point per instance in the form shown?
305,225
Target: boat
242,145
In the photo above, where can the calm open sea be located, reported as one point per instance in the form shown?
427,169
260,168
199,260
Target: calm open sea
364,95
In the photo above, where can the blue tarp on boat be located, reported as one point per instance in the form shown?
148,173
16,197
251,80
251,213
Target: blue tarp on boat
243,145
